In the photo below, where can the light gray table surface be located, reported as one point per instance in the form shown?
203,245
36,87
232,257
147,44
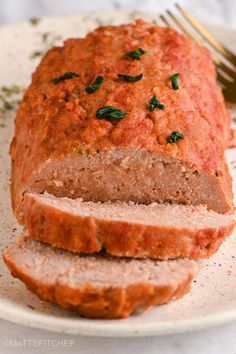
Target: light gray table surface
24,340
216,11
218,340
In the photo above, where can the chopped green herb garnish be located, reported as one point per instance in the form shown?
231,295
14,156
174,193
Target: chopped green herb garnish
175,81
8,105
108,112
9,98
175,136
45,36
80,150
36,54
94,86
155,103
136,54
130,78
57,38
66,76
12,90
34,21
98,21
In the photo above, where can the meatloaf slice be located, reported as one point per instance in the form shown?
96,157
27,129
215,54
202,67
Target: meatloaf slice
97,286
165,143
126,229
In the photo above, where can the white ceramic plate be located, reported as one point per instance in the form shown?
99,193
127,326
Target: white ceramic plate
213,297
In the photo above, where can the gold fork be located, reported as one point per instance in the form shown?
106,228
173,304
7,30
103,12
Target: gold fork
224,59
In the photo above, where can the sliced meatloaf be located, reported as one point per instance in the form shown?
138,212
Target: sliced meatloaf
130,113
126,229
97,286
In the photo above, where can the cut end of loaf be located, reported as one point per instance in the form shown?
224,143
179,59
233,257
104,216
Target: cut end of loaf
163,214
130,175
97,286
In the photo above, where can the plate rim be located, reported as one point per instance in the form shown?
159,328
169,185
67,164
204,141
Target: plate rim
86,327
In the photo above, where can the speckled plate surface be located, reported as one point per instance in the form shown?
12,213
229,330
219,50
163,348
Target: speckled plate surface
213,297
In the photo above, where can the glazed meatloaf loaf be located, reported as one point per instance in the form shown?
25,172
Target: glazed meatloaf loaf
129,113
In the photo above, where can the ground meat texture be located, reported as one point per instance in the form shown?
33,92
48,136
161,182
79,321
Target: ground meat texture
157,230
60,146
83,284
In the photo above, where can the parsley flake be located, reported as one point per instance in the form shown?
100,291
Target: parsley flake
175,136
95,85
67,76
175,81
136,54
155,103
109,112
130,78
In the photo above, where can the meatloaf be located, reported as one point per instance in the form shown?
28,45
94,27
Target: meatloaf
157,230
130,113
97,286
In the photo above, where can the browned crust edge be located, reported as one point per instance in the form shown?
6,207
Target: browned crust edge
102,302
89,235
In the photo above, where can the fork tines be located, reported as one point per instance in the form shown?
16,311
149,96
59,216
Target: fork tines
224,59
